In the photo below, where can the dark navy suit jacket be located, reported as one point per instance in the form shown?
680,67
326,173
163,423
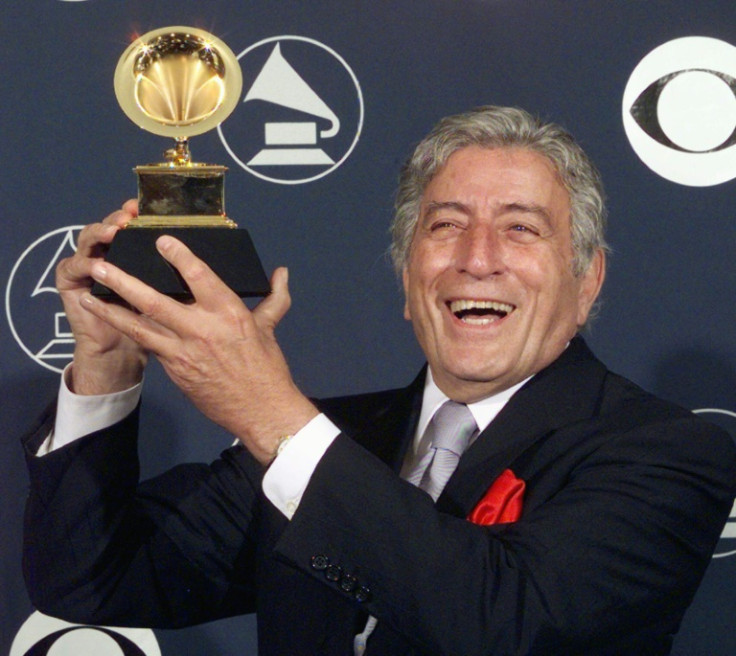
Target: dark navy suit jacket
626,497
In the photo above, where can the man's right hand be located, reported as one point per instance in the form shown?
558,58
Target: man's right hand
105,360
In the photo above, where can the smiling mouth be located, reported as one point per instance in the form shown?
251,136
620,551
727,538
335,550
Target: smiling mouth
480,313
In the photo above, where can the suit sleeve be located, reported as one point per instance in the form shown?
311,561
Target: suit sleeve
101,548
604,560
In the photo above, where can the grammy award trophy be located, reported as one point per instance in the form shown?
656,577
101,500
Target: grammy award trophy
180,82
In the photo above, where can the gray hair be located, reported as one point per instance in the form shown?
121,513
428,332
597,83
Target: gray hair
504,127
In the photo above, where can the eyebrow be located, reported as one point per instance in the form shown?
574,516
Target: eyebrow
531,208
434,207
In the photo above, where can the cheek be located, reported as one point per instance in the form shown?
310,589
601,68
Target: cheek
416,279
553,292
562,308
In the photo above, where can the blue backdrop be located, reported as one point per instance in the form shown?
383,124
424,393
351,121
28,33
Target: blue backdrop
386,71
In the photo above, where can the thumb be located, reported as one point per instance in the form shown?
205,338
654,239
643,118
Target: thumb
272,309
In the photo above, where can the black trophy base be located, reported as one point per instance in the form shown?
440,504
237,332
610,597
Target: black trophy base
229,253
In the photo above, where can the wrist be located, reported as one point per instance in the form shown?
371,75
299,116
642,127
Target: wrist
269,440
104,374
281,444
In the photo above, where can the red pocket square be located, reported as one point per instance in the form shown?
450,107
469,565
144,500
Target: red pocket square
502,503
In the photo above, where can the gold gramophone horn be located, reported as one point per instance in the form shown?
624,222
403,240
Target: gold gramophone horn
178,81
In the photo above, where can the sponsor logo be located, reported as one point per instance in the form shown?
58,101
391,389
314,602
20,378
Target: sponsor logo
32,306
301,115
726,419
42,635
679,111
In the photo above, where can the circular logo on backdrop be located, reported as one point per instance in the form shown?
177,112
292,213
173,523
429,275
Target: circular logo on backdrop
726,419
32,306
42,635
679,111
301,115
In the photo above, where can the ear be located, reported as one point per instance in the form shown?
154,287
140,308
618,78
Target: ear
590,285
405,281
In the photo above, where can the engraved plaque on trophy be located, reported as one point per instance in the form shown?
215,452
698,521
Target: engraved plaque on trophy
180,82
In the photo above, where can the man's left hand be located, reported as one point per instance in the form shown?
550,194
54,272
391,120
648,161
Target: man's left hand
223,356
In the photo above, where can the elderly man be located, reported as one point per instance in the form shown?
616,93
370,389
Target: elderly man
516,498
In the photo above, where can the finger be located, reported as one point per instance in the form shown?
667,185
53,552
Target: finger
91,246
131,206
123,216
206,287
89,240
103,232
272,309
150,303
140,328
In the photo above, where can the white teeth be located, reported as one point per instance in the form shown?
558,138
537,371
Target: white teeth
463,309
465,304
479,321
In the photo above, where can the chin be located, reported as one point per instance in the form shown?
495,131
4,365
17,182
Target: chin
476,365
473,375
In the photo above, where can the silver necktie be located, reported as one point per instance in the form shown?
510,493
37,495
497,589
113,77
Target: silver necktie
450,431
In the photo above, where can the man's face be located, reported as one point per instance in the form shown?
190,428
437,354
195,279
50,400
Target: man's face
489,283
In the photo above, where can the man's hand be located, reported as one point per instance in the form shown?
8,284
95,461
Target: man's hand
105,360
224,357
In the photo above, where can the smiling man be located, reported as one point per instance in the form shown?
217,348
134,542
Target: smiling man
490,285
516,498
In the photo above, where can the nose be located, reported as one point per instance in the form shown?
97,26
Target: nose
479,252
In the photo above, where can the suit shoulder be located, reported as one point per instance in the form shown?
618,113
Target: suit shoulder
620,392
358,410
631,407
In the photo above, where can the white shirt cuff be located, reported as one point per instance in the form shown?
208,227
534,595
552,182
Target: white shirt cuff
78,415
290,472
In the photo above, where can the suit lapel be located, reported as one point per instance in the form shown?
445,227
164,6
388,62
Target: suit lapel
565,392
390,436
383,423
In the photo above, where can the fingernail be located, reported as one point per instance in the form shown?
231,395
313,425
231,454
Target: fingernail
87,299
99,271
163,243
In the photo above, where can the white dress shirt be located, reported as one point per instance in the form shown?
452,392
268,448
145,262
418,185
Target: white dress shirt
288,476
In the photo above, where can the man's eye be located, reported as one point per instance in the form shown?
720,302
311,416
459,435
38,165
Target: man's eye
443,225
522,232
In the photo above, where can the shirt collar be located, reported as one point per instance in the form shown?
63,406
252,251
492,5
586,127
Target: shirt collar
483,411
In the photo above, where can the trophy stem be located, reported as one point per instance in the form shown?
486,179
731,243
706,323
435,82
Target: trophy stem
179,155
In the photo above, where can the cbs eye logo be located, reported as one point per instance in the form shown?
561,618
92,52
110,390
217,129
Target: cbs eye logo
679,111
42,635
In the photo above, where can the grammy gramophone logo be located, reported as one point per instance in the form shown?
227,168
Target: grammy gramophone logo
33,309
301,113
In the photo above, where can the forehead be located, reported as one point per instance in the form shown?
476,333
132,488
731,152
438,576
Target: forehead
498,176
